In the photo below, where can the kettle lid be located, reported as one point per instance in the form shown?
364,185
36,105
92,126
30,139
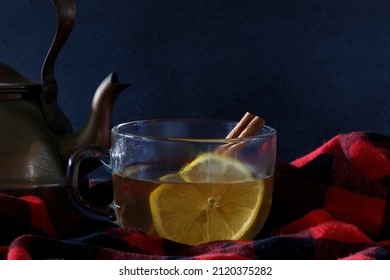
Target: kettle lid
11,81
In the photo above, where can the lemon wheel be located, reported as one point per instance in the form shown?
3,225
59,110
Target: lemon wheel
202,209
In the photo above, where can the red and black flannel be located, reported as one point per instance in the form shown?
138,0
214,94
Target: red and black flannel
332,203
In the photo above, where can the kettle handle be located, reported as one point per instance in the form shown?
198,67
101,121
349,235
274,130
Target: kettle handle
66,14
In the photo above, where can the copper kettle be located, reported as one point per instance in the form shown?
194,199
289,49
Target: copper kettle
36,137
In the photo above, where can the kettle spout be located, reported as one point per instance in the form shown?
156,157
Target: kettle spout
98,128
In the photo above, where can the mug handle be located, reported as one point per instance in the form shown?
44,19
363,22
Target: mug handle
104,213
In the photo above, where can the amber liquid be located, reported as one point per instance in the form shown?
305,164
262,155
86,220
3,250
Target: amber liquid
132,191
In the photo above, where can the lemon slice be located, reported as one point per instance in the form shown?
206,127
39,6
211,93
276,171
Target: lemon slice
194,213
211,167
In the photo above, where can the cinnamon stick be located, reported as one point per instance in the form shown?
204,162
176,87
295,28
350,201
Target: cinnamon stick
252,128
248,126
236,131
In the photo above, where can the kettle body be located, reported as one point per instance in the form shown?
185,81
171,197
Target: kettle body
29,152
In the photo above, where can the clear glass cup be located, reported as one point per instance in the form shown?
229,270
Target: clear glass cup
160,165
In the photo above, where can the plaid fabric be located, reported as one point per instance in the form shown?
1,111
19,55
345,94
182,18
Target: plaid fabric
332,203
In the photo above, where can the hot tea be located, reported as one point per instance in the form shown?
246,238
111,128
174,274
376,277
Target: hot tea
190,212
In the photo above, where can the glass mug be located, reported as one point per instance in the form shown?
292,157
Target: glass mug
183,180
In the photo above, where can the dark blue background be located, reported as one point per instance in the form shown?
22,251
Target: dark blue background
311,68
